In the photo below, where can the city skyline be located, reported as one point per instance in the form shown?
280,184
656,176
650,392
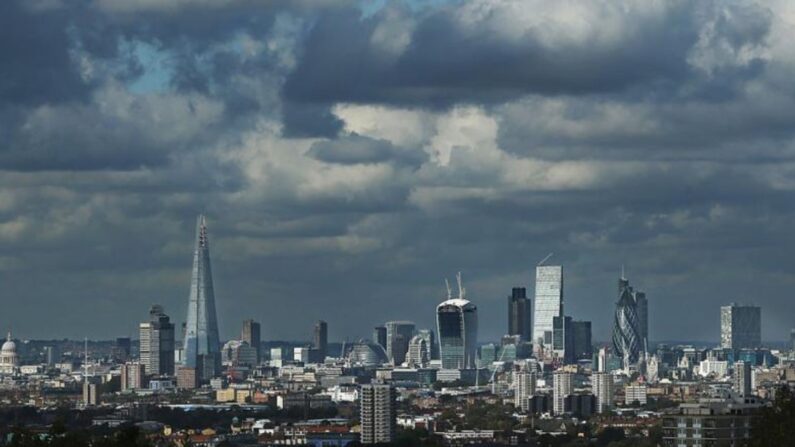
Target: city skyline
579,137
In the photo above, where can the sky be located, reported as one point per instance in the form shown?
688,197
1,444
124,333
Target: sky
351,155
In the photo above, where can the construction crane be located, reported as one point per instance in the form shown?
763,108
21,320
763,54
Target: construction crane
541,262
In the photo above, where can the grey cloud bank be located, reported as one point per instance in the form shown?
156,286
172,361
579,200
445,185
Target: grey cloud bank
348,161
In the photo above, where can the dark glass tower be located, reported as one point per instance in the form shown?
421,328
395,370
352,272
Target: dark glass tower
320,339
519,314
202,346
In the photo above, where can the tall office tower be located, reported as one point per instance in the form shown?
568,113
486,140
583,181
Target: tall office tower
626,336
379,336
792,339
378,413
562,386
430,340
419,352
563,339
398,335
601,360
133,376
52,355
202,346
603,389
740,326
581,335
157,343
548,304
457,324
524,388
121,351
320,339
251,335
519,315
642,305
741,379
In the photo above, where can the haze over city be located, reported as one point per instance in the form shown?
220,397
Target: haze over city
349,156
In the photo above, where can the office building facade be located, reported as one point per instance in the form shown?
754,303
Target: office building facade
156,349
398,336
202,346
519,314
548,304
251,334
379,336
741,378
563,339
378,413
581,339
457,324
740,326
320,339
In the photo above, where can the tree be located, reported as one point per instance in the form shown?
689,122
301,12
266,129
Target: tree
776,424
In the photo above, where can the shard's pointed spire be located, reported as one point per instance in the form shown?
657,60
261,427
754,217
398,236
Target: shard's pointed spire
202,343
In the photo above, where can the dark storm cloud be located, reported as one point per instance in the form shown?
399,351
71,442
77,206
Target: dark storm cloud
354,149
351,161
36,64
446,61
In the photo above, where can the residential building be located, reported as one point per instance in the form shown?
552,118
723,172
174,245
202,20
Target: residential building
156,350
378,413
562,386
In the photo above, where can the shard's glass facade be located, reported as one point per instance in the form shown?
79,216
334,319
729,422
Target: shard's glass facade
202,345
626,326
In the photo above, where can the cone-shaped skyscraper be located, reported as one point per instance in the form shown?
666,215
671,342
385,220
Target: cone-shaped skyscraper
202,346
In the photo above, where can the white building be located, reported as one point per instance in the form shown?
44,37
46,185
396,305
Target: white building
603,389
561,387
524,383
9,360
718,368
634,393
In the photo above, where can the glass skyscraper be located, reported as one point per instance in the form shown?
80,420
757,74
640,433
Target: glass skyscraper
202,349
519,317
457,322
398,336
548,304
740,326
626,333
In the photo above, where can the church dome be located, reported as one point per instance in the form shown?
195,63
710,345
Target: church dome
9,346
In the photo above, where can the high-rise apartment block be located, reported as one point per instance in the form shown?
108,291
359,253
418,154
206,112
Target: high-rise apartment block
133,376
548,304
741,378
562,386
519,314
740,326
603,389
251,334
157,343
524,388
378,413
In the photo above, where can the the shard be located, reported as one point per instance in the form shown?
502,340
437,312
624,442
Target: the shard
202,345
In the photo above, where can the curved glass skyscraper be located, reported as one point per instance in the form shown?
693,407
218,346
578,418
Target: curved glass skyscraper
202,345
626,327
457,321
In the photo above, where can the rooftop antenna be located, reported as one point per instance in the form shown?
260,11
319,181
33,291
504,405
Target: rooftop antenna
449,290
461,290
541,262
